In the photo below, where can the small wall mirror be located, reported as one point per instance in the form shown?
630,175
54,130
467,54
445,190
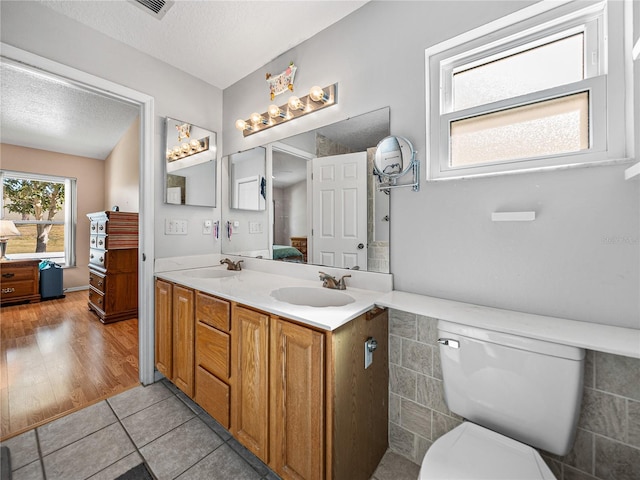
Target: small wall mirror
247,180
190,164
394,158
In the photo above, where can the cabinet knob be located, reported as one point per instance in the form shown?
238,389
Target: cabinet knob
8,290
91,256
101,259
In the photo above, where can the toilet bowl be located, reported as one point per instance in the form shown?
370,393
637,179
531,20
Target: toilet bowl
516,394
470,451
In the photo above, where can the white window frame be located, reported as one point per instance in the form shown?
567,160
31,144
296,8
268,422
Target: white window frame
604,80
70,215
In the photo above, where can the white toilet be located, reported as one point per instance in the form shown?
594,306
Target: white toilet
515,393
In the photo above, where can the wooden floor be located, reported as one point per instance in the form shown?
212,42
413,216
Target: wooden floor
57,357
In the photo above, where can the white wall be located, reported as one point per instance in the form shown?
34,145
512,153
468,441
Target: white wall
37,29
579,259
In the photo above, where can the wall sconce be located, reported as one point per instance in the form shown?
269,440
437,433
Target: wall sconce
7,229
317,99
187,149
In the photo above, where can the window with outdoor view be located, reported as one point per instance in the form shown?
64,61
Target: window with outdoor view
41,207
542,91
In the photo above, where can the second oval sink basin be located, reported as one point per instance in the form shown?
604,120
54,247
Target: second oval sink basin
312,296
210,273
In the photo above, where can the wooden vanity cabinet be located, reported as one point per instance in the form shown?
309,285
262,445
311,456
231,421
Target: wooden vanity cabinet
164,328
183,339
250,360
174,322
298,397
213,357
297,406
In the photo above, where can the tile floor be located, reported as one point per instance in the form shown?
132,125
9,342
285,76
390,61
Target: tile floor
157,424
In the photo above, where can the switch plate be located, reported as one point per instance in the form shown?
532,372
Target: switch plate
174,226
255,227
368,355
207,227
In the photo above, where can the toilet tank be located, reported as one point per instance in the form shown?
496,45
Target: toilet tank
529,390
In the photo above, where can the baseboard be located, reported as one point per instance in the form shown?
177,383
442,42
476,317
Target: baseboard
77,289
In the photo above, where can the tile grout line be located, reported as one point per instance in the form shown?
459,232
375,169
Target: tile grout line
40,457
144,460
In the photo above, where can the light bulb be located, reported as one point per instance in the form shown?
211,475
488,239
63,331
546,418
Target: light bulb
186,148
274,111
295,103
169,154
195,145
256,118
241,125
176,152
317,94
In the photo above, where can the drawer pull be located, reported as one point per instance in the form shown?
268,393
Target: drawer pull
100,283
93,241
93,227
91,256
8,275
101,259
8,290
101,227
100,242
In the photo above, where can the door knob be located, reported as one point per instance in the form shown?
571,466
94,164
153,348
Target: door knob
360,246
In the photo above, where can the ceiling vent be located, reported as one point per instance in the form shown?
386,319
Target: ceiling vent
155,8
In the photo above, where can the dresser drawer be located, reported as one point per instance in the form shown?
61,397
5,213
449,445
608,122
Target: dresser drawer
98,241
97,299
16,274
98,257
212,394
98,281
213,350
17,289
213,311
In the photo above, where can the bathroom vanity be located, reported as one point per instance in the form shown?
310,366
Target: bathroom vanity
288,381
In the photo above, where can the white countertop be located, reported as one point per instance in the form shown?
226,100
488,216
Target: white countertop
592,336
253,288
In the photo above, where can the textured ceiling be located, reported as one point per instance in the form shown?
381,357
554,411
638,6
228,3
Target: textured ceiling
41,112
219,42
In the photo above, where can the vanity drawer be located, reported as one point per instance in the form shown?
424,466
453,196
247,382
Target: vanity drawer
213,311
212,350
98,281
212,394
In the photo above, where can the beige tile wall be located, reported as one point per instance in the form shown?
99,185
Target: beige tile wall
607,445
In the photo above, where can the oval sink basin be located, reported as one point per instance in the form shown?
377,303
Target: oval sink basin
210,273
312,296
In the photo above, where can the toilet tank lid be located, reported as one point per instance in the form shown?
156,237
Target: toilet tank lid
511,340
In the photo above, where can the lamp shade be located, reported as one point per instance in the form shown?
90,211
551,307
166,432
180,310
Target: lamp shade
8,229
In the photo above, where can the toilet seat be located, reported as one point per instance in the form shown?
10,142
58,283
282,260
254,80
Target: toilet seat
470,451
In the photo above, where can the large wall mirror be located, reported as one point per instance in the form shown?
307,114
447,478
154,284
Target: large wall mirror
248,180
321,198
190,164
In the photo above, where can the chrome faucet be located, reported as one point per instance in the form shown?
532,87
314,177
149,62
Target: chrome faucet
331,282
231,265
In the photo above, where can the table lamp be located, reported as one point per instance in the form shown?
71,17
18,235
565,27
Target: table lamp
7,229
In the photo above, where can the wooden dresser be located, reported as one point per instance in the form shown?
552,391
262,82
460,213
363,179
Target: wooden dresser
301,244
113,265
19,281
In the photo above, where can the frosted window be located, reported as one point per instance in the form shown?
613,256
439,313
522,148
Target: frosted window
546,66
550,127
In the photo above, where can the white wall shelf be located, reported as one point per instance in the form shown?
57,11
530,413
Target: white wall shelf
632,171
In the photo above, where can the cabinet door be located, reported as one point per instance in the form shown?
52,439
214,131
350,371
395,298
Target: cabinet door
297,401
183,357
164,331
250,382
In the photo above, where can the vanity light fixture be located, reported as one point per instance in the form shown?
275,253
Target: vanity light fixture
186,149
317,99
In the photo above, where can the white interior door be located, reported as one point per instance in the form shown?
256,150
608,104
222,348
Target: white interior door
340,210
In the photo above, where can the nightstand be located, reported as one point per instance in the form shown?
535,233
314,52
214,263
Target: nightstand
19,281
